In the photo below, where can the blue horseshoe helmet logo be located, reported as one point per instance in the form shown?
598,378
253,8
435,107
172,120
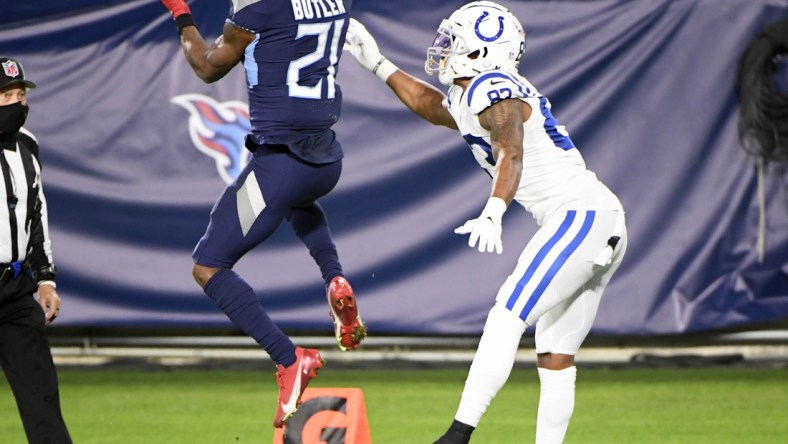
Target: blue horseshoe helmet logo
479,22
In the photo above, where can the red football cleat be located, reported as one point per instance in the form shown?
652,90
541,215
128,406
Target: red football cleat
293,381
348,327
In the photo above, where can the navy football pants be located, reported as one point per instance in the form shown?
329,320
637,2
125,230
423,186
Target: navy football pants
275,185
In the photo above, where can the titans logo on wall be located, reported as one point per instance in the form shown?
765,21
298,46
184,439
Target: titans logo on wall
217,130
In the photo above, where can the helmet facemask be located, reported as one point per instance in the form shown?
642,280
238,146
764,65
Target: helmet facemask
445,46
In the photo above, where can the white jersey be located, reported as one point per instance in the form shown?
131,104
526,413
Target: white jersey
554,176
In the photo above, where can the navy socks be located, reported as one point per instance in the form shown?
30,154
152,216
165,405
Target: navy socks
311,226
239,302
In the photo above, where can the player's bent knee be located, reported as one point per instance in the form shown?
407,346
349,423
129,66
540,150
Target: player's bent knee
555,361
203,274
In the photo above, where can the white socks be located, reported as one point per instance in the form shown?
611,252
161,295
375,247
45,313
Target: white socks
556,403
491,365
490,370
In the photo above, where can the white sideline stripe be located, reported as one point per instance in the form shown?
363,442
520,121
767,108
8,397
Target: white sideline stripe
766,337
186,356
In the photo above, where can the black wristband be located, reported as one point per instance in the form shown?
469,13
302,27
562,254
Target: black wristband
377,65
44,273
183,21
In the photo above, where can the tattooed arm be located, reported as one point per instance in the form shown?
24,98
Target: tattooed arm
505,121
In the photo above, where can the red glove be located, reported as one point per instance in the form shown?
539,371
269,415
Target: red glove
177,7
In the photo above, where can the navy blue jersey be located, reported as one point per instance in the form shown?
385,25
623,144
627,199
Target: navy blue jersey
291,72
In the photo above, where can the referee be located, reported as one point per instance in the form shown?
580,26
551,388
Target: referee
26,268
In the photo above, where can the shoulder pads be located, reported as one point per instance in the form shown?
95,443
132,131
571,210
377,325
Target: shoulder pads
491,87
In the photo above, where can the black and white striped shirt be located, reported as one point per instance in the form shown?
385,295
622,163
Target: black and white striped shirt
24,228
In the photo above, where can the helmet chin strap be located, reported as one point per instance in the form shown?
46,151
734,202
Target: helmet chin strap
445,80
447,75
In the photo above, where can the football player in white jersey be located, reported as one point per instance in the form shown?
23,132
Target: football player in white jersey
560,276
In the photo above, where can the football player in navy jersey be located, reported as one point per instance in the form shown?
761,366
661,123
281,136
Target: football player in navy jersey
560,276
290,50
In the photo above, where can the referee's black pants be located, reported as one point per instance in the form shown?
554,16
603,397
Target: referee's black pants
27,362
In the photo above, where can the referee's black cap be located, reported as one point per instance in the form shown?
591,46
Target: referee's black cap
11,73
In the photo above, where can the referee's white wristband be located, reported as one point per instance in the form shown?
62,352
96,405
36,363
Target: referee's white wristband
50,283
384,69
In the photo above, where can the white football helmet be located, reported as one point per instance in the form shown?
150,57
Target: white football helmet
478,37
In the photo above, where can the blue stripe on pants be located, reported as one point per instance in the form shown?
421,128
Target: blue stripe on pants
518,289
559,262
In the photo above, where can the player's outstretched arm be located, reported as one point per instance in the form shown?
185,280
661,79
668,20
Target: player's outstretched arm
419,96
213,62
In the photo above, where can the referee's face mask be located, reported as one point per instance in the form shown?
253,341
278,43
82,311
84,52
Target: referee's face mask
13,95
12,117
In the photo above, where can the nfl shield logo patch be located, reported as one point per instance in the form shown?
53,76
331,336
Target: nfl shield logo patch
10,68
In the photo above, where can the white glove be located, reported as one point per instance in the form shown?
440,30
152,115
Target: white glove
361,45
486,229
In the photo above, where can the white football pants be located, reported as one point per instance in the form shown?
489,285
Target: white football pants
558,283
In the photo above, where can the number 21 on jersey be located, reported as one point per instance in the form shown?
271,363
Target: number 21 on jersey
324,49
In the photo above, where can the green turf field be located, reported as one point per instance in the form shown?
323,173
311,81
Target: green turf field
717,405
